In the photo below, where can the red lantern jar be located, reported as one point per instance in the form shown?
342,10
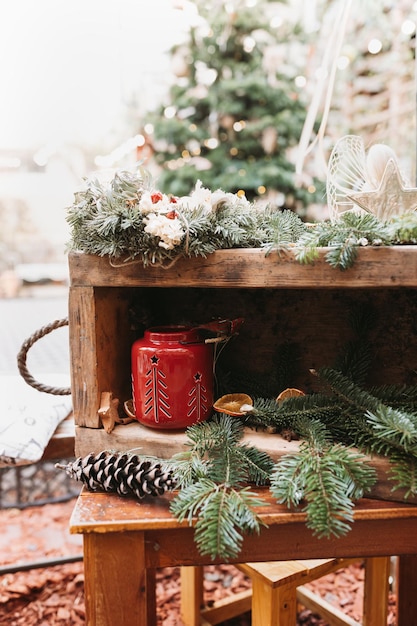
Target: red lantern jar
172,377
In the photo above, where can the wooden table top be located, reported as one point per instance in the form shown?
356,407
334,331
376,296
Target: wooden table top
102,512
380,528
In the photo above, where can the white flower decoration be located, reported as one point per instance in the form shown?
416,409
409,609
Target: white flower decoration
169,230
202,197
154,202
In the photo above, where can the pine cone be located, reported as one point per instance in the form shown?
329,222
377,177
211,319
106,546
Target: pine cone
121,473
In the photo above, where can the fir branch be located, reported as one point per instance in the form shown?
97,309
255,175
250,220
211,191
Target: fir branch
396,427
226,516
226,459
379,428
403,228
347,389
398,396
107,219
355,358
214,434
393,425
235,228
342,236
189,468
343,255
404,473
329,477
191,499
292,412
258,464
283,229
212,475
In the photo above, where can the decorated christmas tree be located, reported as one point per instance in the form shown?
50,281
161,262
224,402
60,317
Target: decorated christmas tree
234,114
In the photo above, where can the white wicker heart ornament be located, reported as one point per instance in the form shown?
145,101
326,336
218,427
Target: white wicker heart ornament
371,182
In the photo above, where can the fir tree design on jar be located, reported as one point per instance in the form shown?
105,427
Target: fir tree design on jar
172,377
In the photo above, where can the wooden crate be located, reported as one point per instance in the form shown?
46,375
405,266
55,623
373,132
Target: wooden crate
283,304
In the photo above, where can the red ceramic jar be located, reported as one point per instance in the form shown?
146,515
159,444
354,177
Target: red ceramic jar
172,377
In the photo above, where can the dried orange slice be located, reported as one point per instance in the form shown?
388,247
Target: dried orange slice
233,403
290,392
129,410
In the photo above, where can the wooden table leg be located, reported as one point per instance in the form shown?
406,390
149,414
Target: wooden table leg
192,594
376,588
406,590
119,591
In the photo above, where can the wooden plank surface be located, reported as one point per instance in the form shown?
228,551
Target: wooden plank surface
164,444
390,266
62,443
108,513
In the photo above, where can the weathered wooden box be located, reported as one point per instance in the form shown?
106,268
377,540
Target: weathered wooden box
282,302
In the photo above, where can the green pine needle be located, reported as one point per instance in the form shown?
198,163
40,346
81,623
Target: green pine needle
211,476
227,515
328,477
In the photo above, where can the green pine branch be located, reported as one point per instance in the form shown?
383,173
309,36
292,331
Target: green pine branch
355,358
224,515
404,473
282,229
379,428
292,412
212,475
105,221
403,228
327,477
343,237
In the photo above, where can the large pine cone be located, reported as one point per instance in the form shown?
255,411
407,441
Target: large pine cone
121,473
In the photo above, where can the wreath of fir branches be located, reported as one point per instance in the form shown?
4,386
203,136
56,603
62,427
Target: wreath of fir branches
105,219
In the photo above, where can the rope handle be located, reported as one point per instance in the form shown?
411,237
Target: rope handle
22,355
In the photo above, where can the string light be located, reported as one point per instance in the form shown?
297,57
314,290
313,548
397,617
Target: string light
249,44
374,46
343,62
211,143
300,81
238,126
408,27
170,112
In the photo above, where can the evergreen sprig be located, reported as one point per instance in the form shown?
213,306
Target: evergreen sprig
104,220
377,427
327,476
404,473
282,229
343,237
292,412
403,228
212,475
